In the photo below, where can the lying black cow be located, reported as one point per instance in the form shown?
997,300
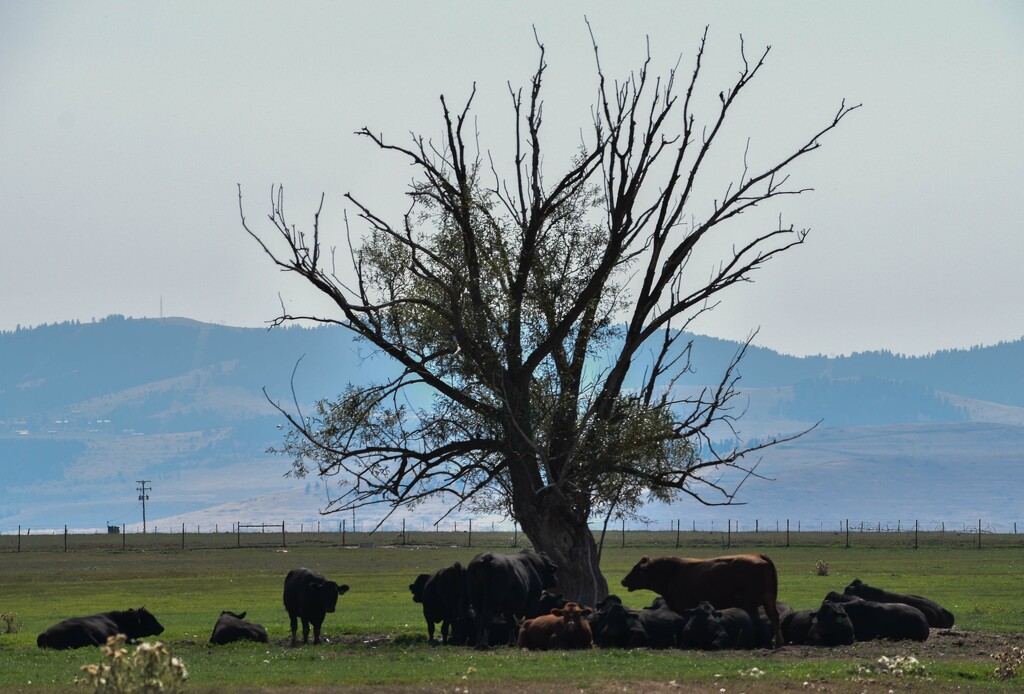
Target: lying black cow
445,599
936,614
617,626
94,630
876,620
796,625
732,627
231,627
509,585
309,596
830,626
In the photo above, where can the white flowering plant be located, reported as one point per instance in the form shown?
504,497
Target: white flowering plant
150,668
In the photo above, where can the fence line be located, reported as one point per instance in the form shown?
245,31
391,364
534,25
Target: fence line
845,533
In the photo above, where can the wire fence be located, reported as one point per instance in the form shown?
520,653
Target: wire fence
756,533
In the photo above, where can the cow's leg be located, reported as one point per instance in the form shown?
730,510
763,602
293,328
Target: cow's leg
483,630
305,630
316,631
430,631
510,617
772,610
295,626
445,626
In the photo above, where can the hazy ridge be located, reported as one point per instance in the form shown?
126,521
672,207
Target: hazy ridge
86,410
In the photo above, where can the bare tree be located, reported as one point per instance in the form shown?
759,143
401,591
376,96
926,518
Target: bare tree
516,306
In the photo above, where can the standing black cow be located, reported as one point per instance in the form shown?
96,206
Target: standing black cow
445,599
231,627
507,584
876,620
94,630
309,596
936,614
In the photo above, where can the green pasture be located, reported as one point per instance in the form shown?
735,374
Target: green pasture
378,634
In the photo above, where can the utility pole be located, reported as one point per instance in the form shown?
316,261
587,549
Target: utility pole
143,497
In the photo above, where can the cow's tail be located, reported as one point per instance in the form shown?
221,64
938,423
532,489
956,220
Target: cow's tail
774,577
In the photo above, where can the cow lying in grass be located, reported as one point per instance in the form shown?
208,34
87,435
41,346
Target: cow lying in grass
231,627
94,630
565,628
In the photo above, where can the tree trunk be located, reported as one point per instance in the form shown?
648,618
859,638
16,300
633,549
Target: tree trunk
567,540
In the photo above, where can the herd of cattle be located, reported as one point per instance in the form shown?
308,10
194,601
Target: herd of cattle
726,602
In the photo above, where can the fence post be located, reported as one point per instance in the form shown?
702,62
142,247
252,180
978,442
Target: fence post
728,532
183,536
623,533
979,533
847,533
19,538
124,540
470,540
403,531
66,536
284,539
342,532
787,532
238,533
678,525
915,533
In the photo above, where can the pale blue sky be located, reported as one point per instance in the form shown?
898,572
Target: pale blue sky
124,127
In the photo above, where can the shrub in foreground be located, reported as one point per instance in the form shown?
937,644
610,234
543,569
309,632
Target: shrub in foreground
149,669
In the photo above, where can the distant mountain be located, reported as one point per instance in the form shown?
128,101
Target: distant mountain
88,409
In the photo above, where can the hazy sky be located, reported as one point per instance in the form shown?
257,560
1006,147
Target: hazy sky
125,127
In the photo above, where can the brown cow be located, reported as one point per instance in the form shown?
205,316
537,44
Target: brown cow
748,581
565,628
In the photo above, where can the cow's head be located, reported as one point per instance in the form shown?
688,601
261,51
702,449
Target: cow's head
417,587
548,572
327,592
703,627
612,626
144,624
575,619
831,626
637,578
232,614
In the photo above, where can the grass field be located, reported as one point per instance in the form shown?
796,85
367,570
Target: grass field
378,634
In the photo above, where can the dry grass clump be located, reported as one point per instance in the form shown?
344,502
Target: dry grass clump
149,669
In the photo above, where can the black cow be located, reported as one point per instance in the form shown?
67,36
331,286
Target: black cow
94,630
508,585
732,627
830,626
309,596
231,627
617,626
796,625
445,599
876,620
936,614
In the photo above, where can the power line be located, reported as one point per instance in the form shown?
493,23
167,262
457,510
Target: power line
143,497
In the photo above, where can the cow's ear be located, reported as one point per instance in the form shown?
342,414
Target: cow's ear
558,611
342,589
587,610
644,561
